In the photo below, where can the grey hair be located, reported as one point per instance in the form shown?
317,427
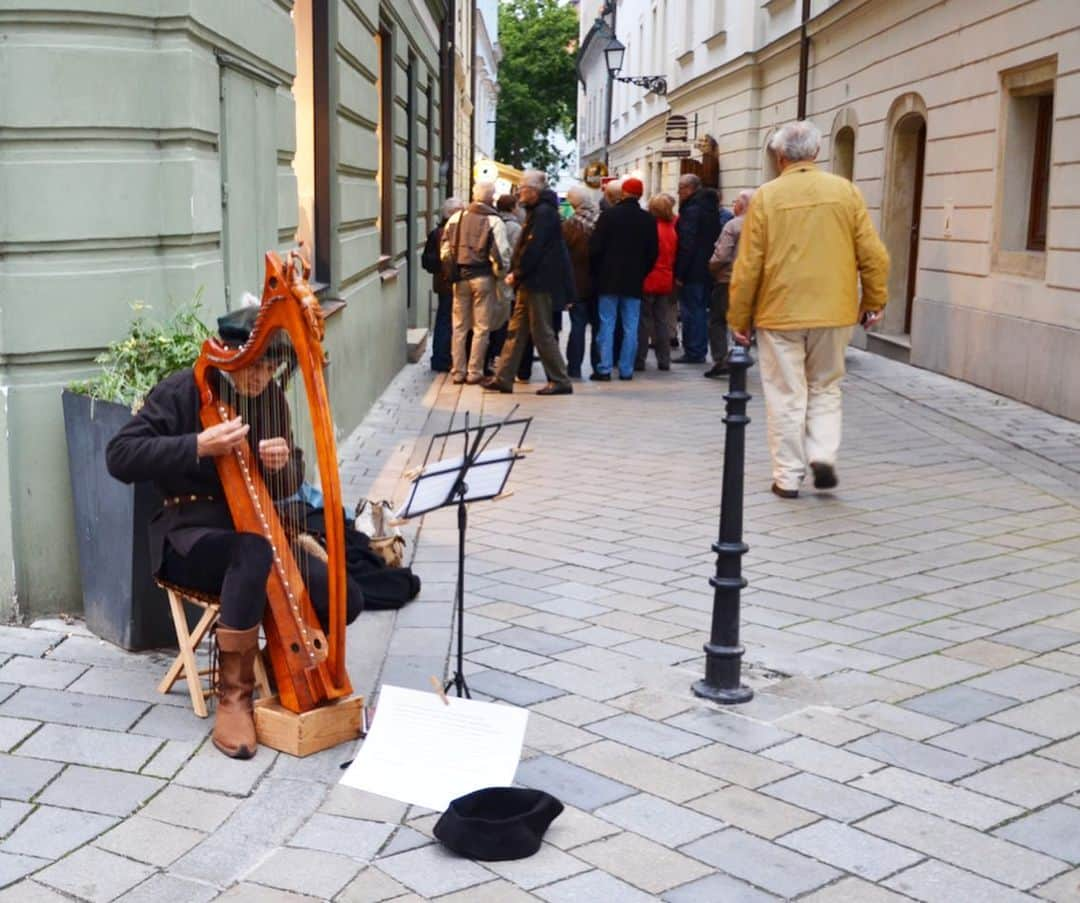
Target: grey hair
613,191
451,206
690,179
578,195
484,193
746,195
534,178
796,141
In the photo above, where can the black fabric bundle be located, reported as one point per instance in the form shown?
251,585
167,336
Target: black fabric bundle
384,587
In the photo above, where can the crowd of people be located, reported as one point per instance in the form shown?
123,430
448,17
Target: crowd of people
624,274
794,266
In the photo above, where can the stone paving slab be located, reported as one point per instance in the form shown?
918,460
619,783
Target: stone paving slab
94,875
913,640
99,790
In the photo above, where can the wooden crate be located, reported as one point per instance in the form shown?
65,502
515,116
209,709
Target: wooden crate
308,732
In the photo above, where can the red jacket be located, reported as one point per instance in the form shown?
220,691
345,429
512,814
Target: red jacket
661,281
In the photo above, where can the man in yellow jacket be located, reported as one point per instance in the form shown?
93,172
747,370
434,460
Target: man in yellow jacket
806,243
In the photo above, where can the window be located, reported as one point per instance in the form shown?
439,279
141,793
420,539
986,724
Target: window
657,45
843,163
311,164
642,64
1024,169
688,26
661,39
1040,172
385,134
429,178
717,17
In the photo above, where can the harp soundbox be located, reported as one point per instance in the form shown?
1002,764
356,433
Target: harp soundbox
308,663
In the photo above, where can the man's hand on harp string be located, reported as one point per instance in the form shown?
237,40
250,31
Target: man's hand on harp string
274,453
221,438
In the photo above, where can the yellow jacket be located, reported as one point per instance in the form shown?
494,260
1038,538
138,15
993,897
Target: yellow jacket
806,241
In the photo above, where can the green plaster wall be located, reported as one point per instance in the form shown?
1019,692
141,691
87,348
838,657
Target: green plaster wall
113,158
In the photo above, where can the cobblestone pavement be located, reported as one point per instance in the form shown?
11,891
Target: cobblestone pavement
913,638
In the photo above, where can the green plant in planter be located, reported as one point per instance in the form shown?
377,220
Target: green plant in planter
150,351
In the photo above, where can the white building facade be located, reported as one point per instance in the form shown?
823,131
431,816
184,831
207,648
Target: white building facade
486,62
958,121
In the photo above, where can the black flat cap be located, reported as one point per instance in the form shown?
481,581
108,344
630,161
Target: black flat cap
497,823
235,330
235,326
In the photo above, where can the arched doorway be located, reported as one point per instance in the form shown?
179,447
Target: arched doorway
902,208
842,145
769,167
844,153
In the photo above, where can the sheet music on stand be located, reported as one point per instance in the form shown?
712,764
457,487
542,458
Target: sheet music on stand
434,486
477,474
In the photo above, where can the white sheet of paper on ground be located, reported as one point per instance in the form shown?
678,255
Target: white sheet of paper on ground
421,751
484,480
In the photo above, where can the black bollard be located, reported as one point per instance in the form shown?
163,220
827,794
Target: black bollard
723,654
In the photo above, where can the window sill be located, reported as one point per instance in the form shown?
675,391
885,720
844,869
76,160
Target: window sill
387,271
331,306
1028,264
773,5
685,58
717,39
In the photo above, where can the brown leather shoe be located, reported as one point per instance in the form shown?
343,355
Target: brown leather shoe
493,385
234,722
553,389
785,493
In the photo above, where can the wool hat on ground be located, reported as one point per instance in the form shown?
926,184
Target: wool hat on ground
634,187
497,823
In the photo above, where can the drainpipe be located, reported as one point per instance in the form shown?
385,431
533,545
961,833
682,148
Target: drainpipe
446,112
472,93
804,59
613,10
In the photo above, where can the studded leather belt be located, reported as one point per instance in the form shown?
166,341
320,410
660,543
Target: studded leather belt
177,500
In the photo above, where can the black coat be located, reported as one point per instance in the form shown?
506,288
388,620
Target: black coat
699,228
623,249
541,261
159,445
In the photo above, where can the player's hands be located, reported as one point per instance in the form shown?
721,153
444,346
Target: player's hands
221,438
274,453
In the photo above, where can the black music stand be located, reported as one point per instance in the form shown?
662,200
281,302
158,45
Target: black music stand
478,474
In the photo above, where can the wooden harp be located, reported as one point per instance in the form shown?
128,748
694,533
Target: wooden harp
308,664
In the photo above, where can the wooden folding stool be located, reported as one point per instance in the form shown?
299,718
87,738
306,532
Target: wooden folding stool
185,664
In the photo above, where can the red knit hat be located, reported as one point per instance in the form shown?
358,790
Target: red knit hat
633,187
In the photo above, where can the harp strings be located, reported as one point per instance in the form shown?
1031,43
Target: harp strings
271,489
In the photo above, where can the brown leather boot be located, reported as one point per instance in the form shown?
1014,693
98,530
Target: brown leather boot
234,724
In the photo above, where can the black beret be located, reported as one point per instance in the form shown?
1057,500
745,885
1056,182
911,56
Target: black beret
497,823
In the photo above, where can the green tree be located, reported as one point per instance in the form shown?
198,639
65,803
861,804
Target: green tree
537,81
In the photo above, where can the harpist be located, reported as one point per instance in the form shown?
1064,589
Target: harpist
192,539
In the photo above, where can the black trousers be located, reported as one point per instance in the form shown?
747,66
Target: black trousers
234,566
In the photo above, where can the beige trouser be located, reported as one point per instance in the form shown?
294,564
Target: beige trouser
801,372
474,303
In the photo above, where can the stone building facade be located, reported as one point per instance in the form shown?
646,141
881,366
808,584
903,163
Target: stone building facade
955,119
150,149
487,56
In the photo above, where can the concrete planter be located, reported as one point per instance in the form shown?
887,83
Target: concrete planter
121,602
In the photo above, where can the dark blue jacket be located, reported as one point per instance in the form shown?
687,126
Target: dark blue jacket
541,261
699,226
